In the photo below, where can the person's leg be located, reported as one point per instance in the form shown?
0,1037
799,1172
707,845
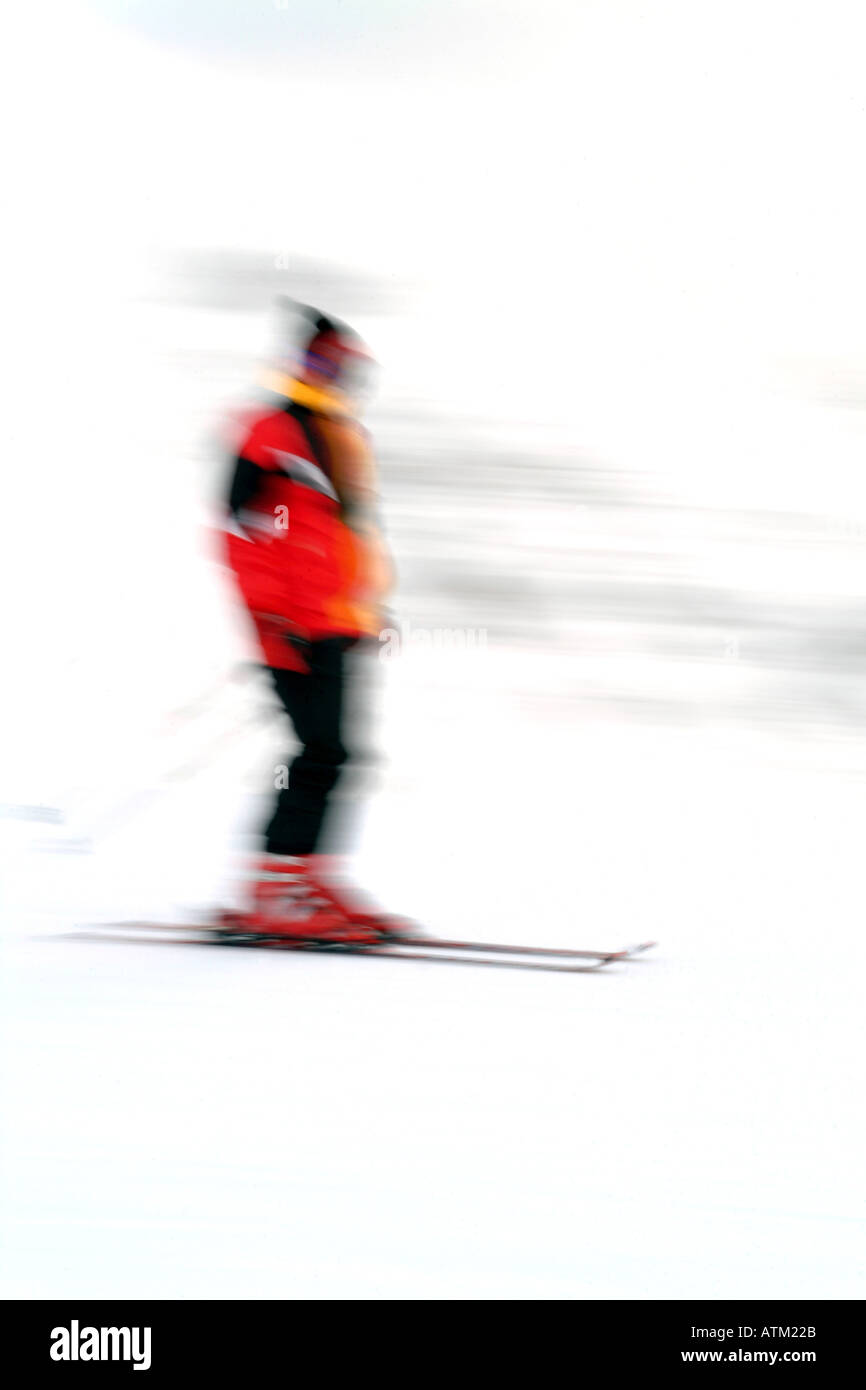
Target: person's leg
296,890
314,702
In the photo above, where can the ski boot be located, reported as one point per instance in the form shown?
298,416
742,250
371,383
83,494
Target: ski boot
325,873
287,903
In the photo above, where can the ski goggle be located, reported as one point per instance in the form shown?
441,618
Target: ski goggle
350,370
323,364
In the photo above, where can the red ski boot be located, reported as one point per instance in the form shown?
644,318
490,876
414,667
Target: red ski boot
326,874
288,902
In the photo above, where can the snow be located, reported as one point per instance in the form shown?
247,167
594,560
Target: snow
184,1122
620,436
660,737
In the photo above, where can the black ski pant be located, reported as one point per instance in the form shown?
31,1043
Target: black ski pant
315,703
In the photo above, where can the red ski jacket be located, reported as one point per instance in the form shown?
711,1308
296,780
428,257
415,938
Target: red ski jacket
301,533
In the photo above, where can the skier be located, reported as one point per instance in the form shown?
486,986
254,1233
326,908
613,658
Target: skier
308,558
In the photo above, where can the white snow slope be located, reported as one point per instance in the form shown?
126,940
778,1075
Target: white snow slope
184,1122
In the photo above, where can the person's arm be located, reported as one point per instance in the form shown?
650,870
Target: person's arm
246,484
252,463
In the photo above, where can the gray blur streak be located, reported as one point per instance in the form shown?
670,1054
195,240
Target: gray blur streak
250,280
560,555
468,556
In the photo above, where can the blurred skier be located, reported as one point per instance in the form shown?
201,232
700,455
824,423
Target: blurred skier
308,558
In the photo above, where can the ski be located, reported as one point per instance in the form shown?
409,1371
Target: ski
502,948
562,960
